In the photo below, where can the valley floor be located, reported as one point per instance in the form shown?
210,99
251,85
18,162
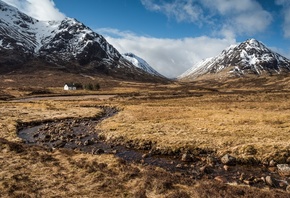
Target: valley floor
171,120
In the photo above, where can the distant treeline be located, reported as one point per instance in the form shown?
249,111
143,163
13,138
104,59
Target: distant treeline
89,86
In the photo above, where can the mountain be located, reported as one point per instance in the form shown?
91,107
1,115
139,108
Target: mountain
66,45
141,63
248,58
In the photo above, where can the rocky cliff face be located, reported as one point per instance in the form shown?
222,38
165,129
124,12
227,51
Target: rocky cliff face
249,57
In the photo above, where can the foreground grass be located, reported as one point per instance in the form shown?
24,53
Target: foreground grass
35,172
212,122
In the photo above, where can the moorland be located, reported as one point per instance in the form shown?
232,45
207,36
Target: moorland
191,125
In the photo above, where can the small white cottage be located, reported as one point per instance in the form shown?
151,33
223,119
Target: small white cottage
68,86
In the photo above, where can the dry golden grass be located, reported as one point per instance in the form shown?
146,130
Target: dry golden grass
32,171
35,172
245,124
174,117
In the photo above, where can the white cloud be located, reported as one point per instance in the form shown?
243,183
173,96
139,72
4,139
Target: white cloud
240,24
286,15
228,17
181,10
170,57
39,9
226,7
241,17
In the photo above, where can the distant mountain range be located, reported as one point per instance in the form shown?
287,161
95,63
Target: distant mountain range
248,58
67,45
27,44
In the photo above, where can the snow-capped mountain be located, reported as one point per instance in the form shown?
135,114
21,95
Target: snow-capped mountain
141,63
249,57
66,39
66,44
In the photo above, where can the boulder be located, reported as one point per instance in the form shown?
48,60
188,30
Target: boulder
229,160
270,181
205,170
221,179
226,167
178,166
248,182
186,157
272,163
284,169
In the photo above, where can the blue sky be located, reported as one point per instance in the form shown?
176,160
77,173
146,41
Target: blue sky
173,35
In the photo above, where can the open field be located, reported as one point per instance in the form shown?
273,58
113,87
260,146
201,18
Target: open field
246,124
172,119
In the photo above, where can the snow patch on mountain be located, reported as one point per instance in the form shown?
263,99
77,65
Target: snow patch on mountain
140,63
199,68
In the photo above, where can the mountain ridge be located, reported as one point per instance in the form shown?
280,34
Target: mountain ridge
248,58
67,44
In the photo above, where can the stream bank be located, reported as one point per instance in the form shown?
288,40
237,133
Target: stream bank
80,134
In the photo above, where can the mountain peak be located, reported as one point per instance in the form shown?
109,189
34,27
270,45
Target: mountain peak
249,57
253,42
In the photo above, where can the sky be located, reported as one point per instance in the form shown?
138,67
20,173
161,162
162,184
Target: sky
173,35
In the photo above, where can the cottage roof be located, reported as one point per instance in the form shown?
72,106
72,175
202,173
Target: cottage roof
70,84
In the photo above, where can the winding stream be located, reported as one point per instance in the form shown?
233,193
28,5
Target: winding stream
81,135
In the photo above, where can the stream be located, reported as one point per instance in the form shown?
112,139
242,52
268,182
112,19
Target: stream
82,135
